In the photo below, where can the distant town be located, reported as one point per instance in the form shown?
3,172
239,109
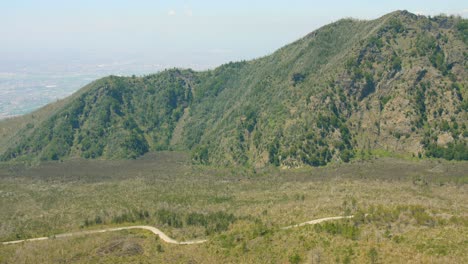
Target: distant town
24,89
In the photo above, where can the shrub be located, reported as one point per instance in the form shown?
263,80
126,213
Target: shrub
457,150
396,63
295,258
298,78
369,87
200,154
169,218
462,27
196,219
373,256
346,230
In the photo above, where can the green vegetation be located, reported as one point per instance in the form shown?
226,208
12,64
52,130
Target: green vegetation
453,151
352,85
116,118
346,230
403,210
236,153
462,27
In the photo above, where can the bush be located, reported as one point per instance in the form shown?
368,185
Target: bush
462,27
421,216
298,78
169,218
295,258
375,41
347,155
453,151
218,221
200,154
425,43
396,63
135,144
196,219
369,87
437,59
344,229
396,25
373,256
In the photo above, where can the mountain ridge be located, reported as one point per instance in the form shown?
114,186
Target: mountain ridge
348,89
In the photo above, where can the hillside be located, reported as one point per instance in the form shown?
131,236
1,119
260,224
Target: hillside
397,84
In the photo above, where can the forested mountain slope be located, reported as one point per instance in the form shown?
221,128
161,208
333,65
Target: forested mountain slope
396,84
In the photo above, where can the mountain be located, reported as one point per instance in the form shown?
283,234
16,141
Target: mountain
397,84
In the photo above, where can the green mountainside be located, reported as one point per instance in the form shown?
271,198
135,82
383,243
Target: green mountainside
397,84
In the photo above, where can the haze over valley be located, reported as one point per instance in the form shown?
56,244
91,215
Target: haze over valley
27,85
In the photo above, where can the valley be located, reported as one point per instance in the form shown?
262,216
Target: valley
409,209
349,145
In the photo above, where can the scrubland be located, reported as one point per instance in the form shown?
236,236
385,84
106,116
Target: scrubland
405,210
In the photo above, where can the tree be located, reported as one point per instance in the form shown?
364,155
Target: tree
200,154
298,78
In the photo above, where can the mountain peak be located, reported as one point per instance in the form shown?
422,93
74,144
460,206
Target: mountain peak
349,89
402,13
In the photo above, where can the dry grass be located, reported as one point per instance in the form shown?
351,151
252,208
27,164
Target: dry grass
427,197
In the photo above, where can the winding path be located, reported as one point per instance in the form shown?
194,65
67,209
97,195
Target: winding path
318,221
160,233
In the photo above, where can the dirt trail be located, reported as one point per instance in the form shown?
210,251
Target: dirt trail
318,221
160,233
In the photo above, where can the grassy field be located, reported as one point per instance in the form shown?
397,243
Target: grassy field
414,211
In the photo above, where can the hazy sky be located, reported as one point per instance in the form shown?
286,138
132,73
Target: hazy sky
178,31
